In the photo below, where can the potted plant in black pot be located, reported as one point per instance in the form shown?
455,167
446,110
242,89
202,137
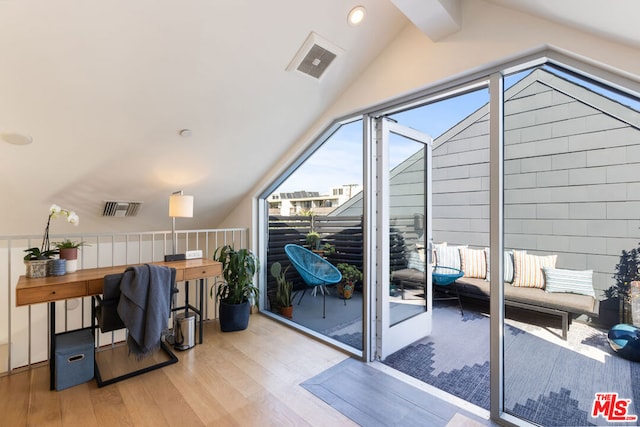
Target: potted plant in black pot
284,288
236,292
627,271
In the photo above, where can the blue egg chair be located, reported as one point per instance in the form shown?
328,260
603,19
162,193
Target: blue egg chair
314,270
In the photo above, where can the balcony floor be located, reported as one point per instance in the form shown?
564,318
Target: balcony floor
547,380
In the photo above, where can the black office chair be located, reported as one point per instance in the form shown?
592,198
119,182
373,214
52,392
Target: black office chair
105,312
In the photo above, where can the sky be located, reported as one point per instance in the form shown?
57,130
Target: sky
339,160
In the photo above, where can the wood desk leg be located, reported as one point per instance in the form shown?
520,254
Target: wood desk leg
52,345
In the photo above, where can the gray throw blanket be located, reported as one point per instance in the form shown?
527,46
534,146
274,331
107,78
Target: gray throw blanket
144,306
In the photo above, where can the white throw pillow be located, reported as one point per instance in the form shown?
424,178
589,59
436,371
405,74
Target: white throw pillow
448,256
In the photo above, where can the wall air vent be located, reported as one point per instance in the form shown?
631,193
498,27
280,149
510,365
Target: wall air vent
121,209
315,56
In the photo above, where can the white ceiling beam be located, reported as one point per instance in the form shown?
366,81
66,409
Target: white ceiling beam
435,18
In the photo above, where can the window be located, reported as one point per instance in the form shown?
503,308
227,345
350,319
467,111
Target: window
335,162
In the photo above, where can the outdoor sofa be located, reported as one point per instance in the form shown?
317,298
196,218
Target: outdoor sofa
529,283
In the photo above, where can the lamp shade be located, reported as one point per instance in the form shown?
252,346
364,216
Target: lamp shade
180,206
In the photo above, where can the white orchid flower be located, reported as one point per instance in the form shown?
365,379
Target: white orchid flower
54,209
73,218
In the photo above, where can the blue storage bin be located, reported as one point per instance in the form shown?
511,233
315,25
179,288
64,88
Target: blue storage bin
74,358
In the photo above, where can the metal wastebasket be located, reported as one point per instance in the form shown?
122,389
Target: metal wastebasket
184,328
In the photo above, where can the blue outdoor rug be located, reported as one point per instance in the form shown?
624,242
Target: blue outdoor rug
547,380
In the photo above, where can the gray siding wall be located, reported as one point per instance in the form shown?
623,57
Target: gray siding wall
572,175
572,179
461,184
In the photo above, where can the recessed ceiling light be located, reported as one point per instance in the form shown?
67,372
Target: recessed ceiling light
356,15
16,138
185,133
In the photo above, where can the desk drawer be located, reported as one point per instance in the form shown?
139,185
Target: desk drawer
202,271
179,275
51,293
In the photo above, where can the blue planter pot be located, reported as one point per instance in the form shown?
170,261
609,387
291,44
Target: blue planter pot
234,317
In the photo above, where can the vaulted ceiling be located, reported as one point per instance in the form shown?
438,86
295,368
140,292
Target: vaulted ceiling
104,88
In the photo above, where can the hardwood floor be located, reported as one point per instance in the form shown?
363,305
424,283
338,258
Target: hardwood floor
246,378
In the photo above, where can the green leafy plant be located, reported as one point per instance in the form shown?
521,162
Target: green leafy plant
313,240
350,273
69,244
238,268
284,286
328,249
626,272
33,254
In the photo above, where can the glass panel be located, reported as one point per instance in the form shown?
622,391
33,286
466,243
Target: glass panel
571,180
407,244
320,208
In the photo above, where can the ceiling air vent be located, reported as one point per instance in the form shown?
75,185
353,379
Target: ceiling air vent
315,56
121,208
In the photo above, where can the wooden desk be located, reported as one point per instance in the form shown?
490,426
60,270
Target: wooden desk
85,283
89,282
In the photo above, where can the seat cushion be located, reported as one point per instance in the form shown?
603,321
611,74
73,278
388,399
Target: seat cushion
572,303
408,275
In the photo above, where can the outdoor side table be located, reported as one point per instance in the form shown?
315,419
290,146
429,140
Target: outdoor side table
445,276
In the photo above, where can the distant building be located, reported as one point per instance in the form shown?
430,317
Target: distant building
304,202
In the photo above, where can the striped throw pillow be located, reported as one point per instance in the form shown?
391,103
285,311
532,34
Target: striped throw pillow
571,281
473,263
507,262
448,256
528,269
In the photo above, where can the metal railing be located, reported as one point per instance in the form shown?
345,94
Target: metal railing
24,337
